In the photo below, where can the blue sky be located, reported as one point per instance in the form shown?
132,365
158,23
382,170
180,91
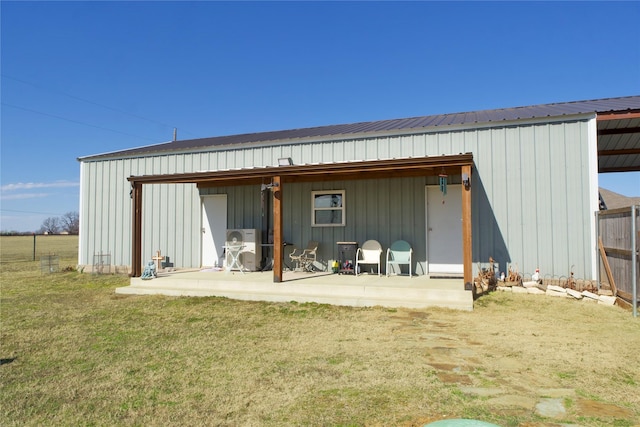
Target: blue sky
81,78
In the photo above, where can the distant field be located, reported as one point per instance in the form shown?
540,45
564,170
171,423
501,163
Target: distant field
21,248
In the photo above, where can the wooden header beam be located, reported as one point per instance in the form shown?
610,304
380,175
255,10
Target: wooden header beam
412,166
631,114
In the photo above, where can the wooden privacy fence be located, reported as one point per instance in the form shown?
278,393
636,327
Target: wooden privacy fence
618,232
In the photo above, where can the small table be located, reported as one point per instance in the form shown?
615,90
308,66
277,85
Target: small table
347,257
234,252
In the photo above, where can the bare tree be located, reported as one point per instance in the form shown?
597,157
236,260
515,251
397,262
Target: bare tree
50,225
70,222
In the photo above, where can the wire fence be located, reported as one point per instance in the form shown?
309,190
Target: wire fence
18,249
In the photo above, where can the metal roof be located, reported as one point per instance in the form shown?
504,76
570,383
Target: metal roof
423,123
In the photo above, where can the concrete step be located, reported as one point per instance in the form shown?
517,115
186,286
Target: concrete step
355,292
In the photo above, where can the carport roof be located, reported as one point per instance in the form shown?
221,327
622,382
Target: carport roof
618,130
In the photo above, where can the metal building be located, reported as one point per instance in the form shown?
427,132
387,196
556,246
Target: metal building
521,187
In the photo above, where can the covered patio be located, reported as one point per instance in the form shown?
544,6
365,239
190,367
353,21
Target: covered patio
279,177
279,285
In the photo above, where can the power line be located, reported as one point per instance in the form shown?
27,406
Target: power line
30,212
89,102
75,121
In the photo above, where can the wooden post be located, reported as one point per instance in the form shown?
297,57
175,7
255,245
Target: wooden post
278,249
607,268
136,231
467,251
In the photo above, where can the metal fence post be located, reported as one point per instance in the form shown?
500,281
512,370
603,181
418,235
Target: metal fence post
634,261
597,249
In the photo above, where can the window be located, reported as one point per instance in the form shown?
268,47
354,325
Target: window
327,208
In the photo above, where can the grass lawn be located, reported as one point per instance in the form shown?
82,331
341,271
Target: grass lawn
75,353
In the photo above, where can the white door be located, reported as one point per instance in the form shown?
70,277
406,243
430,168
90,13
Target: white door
214,229
444,230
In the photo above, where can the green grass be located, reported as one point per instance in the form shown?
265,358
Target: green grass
20,249
76,353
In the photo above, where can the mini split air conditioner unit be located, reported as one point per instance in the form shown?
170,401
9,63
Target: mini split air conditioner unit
251,251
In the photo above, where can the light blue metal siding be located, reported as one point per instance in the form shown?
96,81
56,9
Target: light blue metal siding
171,218
530,197
385,209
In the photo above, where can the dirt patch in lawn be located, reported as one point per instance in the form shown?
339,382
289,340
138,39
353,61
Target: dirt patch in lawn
548,355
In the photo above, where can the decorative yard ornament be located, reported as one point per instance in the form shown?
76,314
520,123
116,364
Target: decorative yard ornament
149,271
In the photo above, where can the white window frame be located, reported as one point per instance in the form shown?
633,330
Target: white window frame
315,209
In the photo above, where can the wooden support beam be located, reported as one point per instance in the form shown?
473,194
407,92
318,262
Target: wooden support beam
618,131
278,240
620,152
136,232
601,117
619,169
467,253
605,261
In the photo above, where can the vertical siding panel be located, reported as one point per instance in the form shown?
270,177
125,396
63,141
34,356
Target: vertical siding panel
529,208
420,145
170,212
384,151
500,193
405,146
578,210
444,143
431,144
373,149
558,205
513,196
482,210
127,212
112,191
86,212
101,211
543,159
457,143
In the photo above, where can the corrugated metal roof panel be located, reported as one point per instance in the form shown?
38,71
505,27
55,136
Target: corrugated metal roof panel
404,124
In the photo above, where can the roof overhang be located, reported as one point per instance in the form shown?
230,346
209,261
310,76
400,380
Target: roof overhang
618,141
347,170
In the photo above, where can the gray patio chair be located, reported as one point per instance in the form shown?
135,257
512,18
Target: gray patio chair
399,254
307,257
369,254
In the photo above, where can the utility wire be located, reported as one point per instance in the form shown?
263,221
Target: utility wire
76,121
91,102
31,212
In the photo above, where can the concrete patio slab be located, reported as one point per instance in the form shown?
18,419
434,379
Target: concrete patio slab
323,288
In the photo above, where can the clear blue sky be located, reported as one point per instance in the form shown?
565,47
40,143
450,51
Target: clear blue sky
82,78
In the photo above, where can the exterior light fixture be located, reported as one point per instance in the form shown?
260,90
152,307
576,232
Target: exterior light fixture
268,186
466,181
285,161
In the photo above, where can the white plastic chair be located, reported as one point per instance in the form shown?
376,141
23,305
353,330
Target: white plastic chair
369,254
